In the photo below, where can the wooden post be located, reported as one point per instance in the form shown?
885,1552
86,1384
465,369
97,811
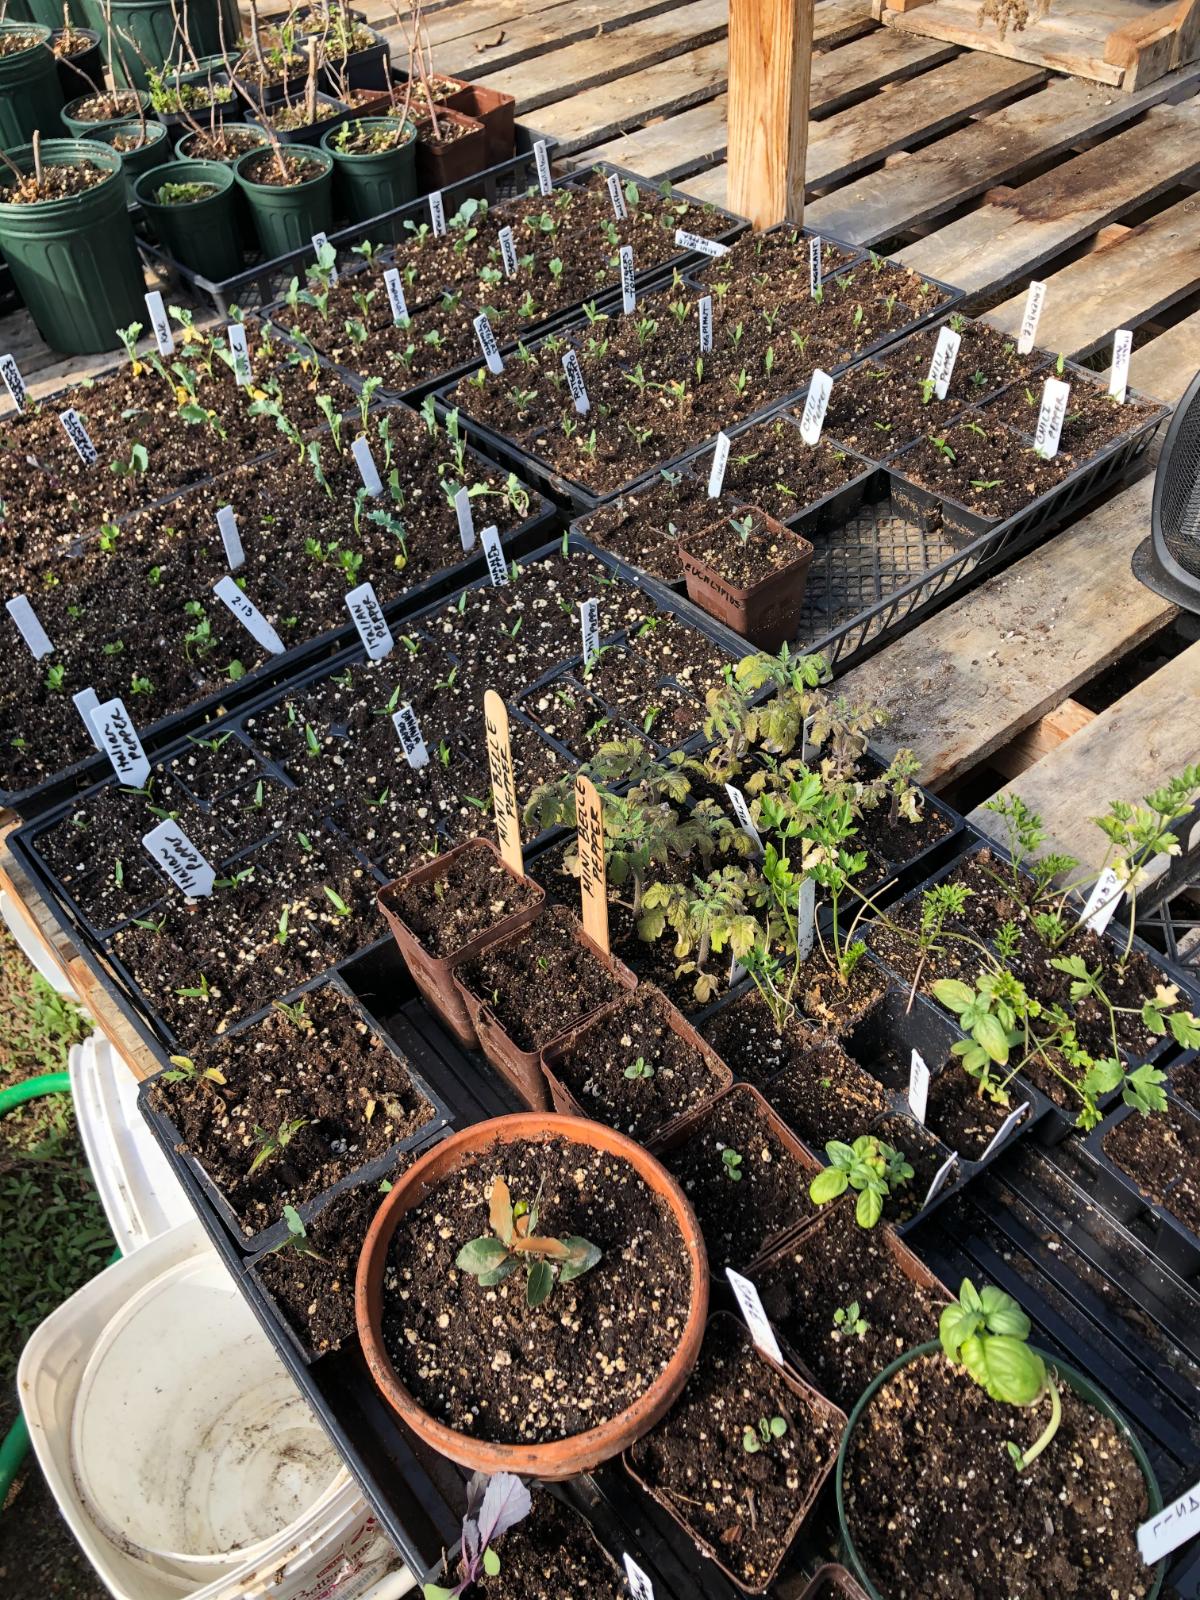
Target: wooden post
770,62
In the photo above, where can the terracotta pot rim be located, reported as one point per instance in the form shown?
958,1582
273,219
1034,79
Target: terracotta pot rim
551,1459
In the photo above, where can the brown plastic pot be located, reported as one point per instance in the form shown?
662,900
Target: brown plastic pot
555,1055
522,1069
768,613
497,111
833,1583
813,1401
560,1458
432,974
442,162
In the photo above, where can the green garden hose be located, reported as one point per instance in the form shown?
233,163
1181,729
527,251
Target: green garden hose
33,1088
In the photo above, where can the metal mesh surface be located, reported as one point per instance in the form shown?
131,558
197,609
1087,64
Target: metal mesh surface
1177,501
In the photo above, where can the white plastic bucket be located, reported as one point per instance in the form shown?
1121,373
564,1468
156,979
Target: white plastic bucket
16,920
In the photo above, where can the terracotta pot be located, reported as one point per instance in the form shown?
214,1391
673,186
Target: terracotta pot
433,975
806,1495
555,1055
522,1069
768,613
442,162
833,1583
497,112
560,1458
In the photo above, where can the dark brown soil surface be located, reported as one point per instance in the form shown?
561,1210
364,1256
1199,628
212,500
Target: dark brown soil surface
744,1505
104,107
484,1362
826,1095
58,182
1185,1081
223,145
1093,417
743,1035
962,1118
987,360
925,1154
1161,1154
745,557
878,410
297,169
931,1489
992,471
552,1555
449,911
643,526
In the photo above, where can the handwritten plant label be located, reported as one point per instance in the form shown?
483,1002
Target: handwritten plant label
814,265
593,872
437,214
319,242
744,820
231,538
576,384
504,792
13,381
1103,901
248,614
751,1307
940,1179
541,159
720,460
1005,1128
640,1586
697,242
367,470
160,323
86,702
918,1086
408,731
1055,395
243,373
367,615
26,618
487,343
118,738
508,251
395,294
628,284
466,517
493,554
73,425
617,195
1118,380
945,354
706,324
1034,301
179,860
1174,1525
589,622
806,919
815,407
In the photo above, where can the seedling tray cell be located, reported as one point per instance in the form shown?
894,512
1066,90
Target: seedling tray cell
1119,1191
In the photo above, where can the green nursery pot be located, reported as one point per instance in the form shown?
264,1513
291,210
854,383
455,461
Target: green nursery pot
153,153
285,219
1069,1377
74,260
202,234
50,12
31,96
81,128
152,26
378,181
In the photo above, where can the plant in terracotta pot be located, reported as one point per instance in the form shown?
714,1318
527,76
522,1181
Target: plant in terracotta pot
750,572
981,1442
569,1323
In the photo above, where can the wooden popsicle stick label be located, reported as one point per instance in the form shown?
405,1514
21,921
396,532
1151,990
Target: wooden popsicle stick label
1055,396
437,214
160,323
231,538
593,873
541,159
179,860
616,195
20,609
1034,301
248,614
395,294
628,280
504,789
697,242
815,407
75,431
487,343
720,460
118,738
945,354
706,324
1118,382
86,702
13,381
240,350
579,394
367,615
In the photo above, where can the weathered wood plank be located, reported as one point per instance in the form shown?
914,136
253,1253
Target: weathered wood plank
970,678
1126,283
668,86
1012,237
471,41
1070,38
1164,367
956,168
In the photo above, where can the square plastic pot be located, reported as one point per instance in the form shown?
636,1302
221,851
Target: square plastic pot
443,162
311,133
768,612
496,110
1120,1193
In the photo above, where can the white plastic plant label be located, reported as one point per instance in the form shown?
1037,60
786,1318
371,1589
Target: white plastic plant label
579,394
706,324
640,1586
628,280
807,747
945,354
742,812
806,919
815,407
589,624
73,426
1055,395
720,460
1034,301
86,702
751,1306
508,251
231,538
940,1179
243,373
35,636
1174,1525
395,294
367,615
319,242
1103,901
487,343
1118,379
616,195
408,731
494,555
179,860
1005,1128
367,470
117,736
697,242
918,1086
13,381
160,323
541,158
814,265
437,214
248,614
466,517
